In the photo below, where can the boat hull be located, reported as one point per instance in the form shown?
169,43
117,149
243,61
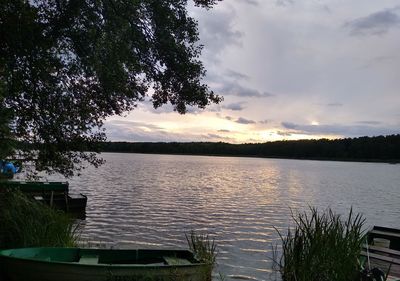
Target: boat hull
22,269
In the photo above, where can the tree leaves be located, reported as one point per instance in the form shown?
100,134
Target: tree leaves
67,65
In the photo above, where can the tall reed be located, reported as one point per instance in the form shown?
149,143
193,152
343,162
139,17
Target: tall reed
204,249
322,247
25,223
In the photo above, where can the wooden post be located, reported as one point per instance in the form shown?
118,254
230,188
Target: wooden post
51,198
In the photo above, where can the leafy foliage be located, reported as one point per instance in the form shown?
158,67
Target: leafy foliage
67,65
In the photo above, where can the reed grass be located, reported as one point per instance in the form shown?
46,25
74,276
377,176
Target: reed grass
204,249
322,246
25,223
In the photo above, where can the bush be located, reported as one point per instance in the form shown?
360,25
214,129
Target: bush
25,223
322,247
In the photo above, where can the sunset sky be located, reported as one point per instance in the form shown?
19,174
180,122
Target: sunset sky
288,69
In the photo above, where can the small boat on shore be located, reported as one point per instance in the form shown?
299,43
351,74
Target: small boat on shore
66,264
54,194
36,187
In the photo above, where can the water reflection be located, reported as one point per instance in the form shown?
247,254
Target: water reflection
150,201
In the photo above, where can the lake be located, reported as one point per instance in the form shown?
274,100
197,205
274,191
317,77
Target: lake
151,201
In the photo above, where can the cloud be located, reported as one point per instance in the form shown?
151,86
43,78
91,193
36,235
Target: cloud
237,106
375,24
230,118
224,131
284,3
228,84
288,125
250,2
120,130
244,121
235,89
342,130
370,122
236,75
378,60
334,104
266,121
216,28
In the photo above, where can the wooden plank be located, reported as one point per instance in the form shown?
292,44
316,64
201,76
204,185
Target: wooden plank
383,250
176,261
380,257
89,259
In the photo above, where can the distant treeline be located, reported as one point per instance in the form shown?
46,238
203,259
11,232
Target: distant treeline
381,148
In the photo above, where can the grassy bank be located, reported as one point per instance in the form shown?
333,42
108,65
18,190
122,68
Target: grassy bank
25,223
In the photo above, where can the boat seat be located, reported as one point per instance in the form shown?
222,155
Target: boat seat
89,259
176,261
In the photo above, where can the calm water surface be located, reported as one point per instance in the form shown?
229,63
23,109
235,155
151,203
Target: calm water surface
148,201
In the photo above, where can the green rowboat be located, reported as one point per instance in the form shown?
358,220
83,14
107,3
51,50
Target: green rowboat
75,264
36,186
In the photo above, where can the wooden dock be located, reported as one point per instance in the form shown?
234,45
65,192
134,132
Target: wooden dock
385,258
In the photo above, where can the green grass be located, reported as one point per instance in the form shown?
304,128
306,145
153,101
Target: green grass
322,246
25,223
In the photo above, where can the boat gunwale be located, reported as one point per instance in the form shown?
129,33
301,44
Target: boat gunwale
105,265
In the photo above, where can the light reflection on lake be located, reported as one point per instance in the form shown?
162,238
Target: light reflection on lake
147,201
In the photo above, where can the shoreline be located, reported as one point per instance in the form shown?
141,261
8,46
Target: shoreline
366,160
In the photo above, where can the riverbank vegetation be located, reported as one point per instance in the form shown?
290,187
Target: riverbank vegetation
322,246
379,149
25,223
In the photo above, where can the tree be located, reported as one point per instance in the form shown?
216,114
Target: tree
66,65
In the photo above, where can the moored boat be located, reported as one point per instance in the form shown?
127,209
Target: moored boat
36,187
66,264
55,194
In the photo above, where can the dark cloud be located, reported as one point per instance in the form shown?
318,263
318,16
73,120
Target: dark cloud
236,75
214,137
284,133
237,106
266,121
289,125
245,121
224,131
334,104
235,89
370,122
375,24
